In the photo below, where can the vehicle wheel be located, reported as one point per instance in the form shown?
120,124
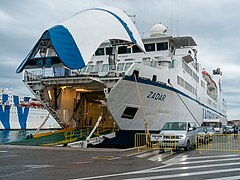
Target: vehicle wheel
188,146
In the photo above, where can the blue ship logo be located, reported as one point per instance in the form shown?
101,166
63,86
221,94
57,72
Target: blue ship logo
5,111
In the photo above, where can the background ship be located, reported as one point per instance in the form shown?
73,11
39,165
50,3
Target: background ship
23,113
112,77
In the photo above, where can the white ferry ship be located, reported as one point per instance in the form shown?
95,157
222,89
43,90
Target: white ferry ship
83,69
23,113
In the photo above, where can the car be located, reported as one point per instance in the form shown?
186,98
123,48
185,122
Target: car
203,136
211,131
231,130
228,130
183,131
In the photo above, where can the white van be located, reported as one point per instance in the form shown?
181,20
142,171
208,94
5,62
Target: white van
185,133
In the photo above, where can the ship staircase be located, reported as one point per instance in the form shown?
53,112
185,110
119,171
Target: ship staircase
34,84
55,116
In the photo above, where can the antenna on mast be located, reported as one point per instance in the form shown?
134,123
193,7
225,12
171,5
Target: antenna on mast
171,22
177,17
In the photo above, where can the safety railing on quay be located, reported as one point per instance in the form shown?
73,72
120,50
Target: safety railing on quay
218,142
155,142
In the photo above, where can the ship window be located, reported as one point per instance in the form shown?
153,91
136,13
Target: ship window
124,50
180,81
162,46
136,49
149,47
146,61
135,74
154,78
99,52
105,68
195,77
90,68
153,63
82,70
120,66
108,50
127,66
129,112
202,84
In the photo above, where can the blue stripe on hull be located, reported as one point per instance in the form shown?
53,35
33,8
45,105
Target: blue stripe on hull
5,112
22,114
123,139
4,116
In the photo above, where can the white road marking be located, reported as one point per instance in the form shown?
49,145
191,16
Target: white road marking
174,160
226,178
208,157
133,154
119,174
10,155
114,158
144,155
12,174
205,161
3,151
38,166
83,162
158,157
160,169
196,167
186,174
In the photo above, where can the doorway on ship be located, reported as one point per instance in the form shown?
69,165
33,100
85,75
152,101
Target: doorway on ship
88,106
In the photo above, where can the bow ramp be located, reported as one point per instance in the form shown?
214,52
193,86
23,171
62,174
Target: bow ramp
73,42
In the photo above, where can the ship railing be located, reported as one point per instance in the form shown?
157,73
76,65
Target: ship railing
218,142
29,76
155,142
212,94
36,75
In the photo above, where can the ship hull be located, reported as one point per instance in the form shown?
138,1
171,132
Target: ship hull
16,116
31,120
156,102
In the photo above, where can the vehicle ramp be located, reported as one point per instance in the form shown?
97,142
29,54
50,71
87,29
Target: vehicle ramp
64,137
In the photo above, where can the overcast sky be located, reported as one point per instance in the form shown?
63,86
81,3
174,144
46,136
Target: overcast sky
213,24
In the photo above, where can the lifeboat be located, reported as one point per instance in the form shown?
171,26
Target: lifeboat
36,104
207,77
24,104
212,86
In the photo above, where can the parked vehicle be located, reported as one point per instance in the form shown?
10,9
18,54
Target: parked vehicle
211,131
228,130
184,131
203,136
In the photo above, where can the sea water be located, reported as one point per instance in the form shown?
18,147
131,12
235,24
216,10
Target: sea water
7,136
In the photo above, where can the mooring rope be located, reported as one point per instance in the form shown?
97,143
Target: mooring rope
186,106
144,119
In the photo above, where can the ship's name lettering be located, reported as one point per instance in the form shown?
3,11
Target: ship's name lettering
156,96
